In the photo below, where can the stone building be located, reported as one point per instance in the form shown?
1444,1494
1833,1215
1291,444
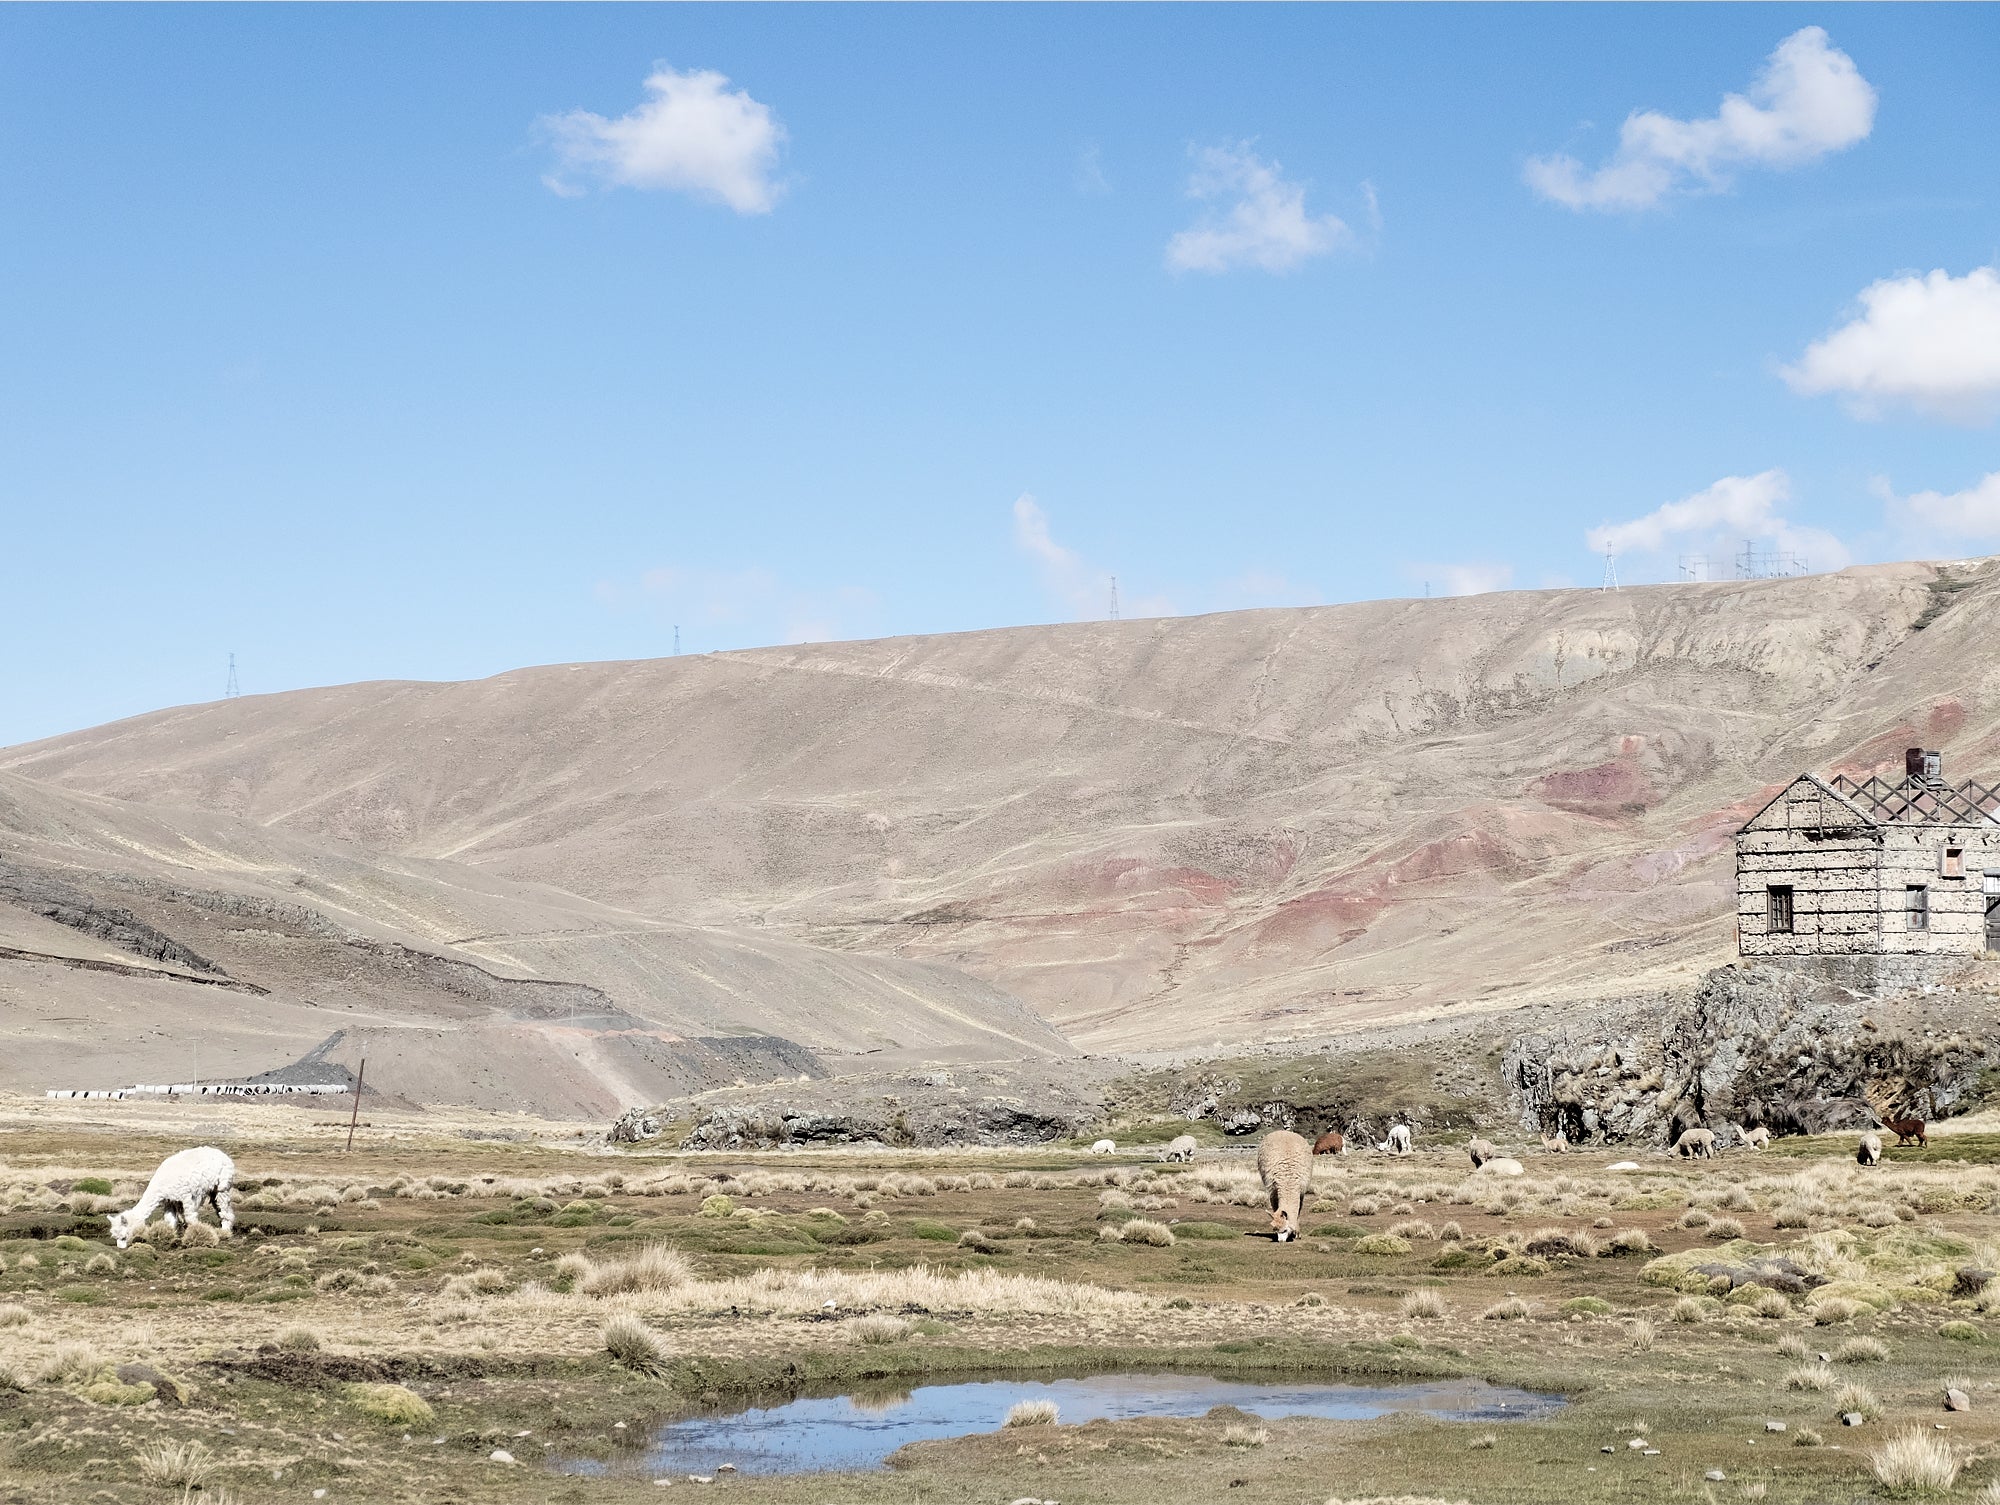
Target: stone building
1832,867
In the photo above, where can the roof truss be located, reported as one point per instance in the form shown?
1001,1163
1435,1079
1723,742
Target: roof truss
1912,802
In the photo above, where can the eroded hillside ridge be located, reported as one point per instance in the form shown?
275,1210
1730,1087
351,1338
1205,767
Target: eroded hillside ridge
1177,833
1802,1047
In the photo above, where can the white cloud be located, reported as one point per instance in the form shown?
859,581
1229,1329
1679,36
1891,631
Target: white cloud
1972,513
1931,342
1080,590
693,135
1264,223
1810,100
1733,510
1089,179
1475,579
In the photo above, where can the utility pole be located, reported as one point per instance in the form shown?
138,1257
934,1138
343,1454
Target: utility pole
677,640
1114,598
355,1117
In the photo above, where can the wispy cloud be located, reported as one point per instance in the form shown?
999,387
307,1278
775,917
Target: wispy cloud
1809,101
1732,510
1257,217
1474,579
1973,513
740,606
1089,179
693,134
1931,343
1081,591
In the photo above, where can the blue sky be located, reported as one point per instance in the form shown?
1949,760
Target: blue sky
400,342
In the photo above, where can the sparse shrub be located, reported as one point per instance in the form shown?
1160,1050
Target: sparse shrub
298,1340
1145,1231
1107,1234
1808,1377
99,1264
1629,1241
1573,1241
1959,1332
1451,1233
335,1281
1724,1228
13,1314
1861,1351
570,1269
1423,1305
657,1267
72,1363
1806,1437
1791,1215
1513,1309
1694,1217
1771,1305
1361,1207
1856,1398
1023,1225
1792,1346
632,1345
97,1186
1687,1309
1643,1334
1414,1228
1387,1244
177,1465
1032,1413
977,1242
1916,1462
877,1329
1484,1440
1236,1435
1830,1310
394,1404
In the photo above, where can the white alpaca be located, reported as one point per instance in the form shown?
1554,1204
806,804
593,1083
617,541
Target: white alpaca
1285,1166
1398,1142
1696,1144
1481,1151
1758,1138
1500,1166
1870,1152
185,1180
1556,1143
1182,1148
1104,1147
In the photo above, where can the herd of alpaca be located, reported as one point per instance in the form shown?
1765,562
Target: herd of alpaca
185,1180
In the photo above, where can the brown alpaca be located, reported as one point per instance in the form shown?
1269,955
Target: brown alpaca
1907,1130
1330,1143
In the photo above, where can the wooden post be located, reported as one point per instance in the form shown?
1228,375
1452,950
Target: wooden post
355,1117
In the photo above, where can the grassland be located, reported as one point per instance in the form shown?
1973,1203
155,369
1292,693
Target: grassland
383,1322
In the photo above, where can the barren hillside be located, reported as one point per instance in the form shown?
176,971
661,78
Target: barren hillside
1158,832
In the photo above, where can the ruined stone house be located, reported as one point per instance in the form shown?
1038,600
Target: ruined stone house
1832,867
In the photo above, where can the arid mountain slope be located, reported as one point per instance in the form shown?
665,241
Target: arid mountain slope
1159,832
135,936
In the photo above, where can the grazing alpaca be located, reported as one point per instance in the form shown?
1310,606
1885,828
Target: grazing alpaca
1285,1166
1182,1148
1907,1131
1104,1147
1398,1142
1556,1143
1758,1138
1330,1143
1696,1144
1481,1151
1870,1150
185,1179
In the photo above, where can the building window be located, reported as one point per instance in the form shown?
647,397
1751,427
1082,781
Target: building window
1954,863
1778,909
1917,906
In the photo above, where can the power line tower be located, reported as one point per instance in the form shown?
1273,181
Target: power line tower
677,640
1114,598
1610,571
232,690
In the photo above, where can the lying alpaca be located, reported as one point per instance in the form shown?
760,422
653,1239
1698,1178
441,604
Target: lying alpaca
1182,1148
1285,1166
185,1179
1556,1143
1398,1142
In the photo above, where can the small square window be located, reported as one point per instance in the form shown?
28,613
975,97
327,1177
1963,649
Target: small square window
1917,906
1778,910
1954,863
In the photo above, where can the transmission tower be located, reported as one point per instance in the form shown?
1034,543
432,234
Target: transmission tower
677,640
1610,571
1114,598
232,690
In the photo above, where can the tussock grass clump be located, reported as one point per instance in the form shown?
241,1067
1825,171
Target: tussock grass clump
13,1314
1724,1228
1414,1228
1032,1413
298,1340
1831,1310
1856,1398
1771,1305
1423,1305
1792,1346
396,1405
1959,1332
177,1465
12,1379
718,1206
1916,1462
1628,1241
877,1329
200,1235
1513,1309
1385,1244
72,1363
1808,1377
1572,1241
633,1346
979,1243
1694,1217
1146,1231
1688,1309
1862,1351
1236,1435
657,1267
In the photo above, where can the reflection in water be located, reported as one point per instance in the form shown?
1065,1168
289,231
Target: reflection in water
813,1434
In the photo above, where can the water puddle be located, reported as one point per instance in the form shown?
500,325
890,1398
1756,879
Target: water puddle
859,1429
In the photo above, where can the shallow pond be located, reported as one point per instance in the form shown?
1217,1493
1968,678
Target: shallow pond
858,1430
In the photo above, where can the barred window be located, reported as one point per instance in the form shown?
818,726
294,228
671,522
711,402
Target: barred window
1778,909
1917,906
